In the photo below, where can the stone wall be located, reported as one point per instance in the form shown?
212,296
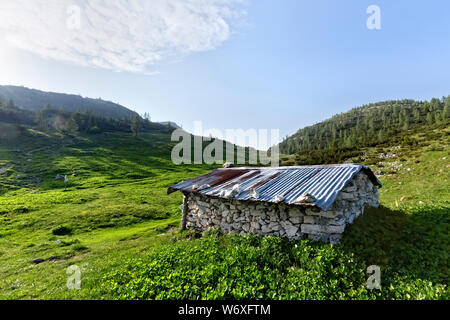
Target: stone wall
291,221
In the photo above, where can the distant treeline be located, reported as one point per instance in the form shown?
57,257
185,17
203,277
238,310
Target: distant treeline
51,118
344,134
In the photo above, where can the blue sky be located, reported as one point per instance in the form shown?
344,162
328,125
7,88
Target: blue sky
235,64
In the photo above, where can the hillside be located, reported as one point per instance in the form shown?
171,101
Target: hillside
15,119
116,222
170,123
31,99
343,135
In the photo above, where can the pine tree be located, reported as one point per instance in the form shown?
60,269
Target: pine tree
416,115
380,136
10,105
446,111
334,146
136,125
430,118
435,104
406,124
42,121
71,126
91,123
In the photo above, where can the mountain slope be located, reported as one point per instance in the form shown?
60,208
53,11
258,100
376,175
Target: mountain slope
114,220
32,99
115,209
170,123
368,125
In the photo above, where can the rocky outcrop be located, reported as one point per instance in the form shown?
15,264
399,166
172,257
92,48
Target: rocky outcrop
280,219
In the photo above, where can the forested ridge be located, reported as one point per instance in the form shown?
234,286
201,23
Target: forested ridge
52,118
35,100
342,135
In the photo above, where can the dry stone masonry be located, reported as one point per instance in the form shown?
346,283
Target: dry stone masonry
203,212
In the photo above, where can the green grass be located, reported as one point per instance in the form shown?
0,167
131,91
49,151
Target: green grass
112,208
116,222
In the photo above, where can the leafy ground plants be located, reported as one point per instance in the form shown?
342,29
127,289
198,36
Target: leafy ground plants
250,267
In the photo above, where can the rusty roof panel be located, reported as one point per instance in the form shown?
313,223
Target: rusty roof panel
283,184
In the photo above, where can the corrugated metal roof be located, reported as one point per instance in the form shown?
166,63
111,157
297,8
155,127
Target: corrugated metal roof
282,184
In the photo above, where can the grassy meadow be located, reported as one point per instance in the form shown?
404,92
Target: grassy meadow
116,222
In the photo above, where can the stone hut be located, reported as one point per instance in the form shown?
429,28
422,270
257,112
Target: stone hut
315,202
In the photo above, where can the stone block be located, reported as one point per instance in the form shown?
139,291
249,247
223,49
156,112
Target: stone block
347,196
275,227
286,224
309,220
325,214
265,229
296,220
319,229
291,231
255,225
337,222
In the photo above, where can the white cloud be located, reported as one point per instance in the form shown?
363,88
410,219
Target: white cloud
121,35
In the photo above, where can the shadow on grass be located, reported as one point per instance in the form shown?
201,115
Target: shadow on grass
413,244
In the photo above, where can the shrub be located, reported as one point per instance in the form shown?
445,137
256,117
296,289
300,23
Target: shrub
62,231
78,247
95,130
21,210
